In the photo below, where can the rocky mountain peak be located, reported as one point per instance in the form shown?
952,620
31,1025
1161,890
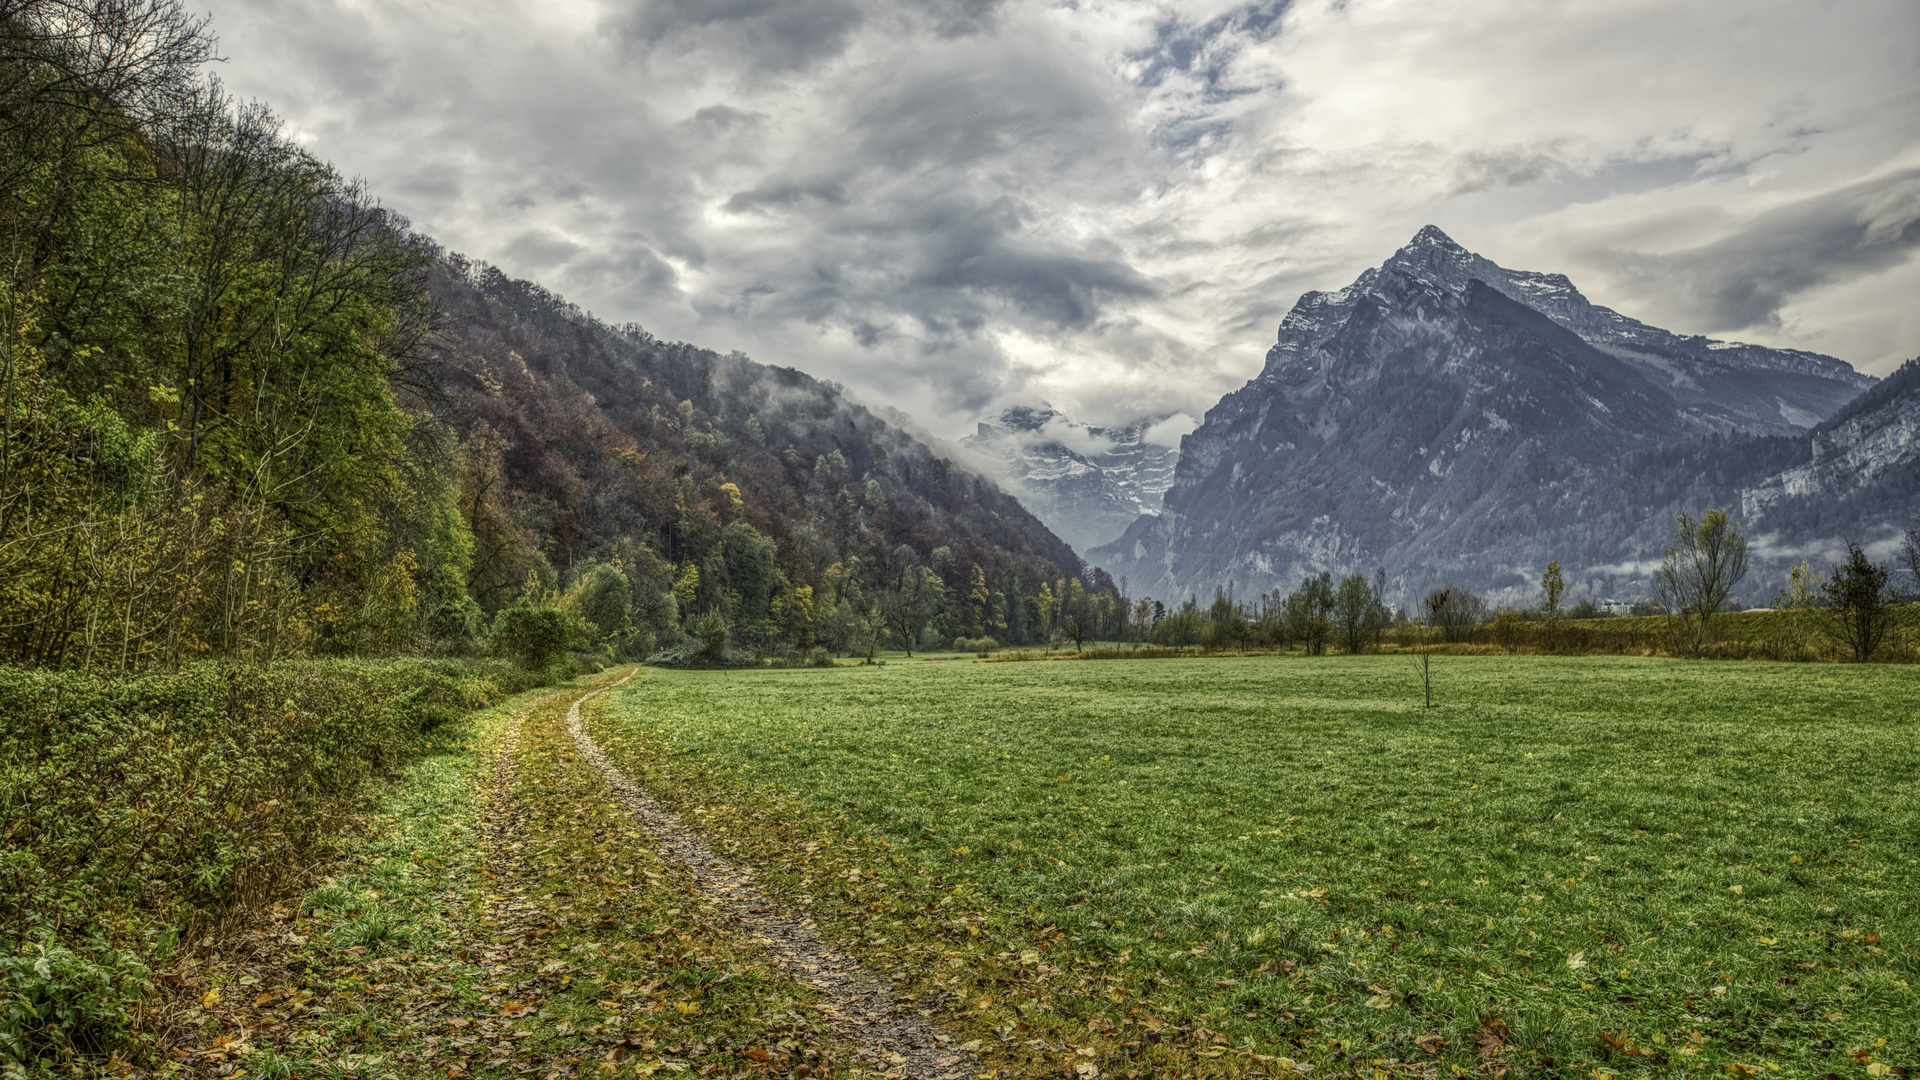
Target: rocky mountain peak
1443,415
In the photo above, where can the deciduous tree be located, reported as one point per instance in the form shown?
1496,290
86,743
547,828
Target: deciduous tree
1860,608
1707,559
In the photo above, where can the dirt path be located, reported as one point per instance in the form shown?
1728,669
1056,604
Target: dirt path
903,1044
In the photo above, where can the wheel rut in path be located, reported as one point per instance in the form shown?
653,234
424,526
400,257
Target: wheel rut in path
898,1042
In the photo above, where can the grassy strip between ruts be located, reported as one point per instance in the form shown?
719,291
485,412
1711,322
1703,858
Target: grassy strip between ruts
1572,868
496,922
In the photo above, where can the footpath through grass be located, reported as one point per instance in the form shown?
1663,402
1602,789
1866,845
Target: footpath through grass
1221,866
494,922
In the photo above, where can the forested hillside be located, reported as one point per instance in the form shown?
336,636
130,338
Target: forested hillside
249,413
714,483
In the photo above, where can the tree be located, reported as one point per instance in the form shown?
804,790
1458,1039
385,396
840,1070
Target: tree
1860,605
1309,613
601,600
1796,603
751,576
1382,615
1509,630
1423,651
1076,613
1142,623
711,630
1553,585
1355,613
533,637
1707,559
912,600
1454,612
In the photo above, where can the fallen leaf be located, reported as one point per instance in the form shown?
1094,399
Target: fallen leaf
211,998
1577,961
515,1008
1431,1043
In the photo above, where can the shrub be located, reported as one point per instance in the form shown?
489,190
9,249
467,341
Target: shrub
533,637
131,804
1509,631
58,999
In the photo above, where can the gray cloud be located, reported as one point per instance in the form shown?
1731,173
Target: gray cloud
777,34
947,203
1744,278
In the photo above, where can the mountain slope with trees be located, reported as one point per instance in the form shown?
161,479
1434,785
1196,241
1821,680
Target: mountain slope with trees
713,483
248,413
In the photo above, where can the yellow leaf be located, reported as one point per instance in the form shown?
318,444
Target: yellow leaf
211,998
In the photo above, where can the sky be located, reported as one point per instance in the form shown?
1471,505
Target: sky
951,206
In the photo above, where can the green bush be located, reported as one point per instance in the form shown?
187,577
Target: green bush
534,637
53,997
133,811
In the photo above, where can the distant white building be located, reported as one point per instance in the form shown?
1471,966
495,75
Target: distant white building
1617,607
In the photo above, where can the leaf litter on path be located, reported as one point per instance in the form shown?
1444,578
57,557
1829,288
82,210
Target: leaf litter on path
859,1003
498,919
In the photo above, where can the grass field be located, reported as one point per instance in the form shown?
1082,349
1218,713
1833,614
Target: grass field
1216,866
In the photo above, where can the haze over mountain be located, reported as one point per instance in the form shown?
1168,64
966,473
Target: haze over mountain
1443,417
1088,483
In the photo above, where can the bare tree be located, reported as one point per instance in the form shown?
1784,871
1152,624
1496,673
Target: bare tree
1707,559
1454,611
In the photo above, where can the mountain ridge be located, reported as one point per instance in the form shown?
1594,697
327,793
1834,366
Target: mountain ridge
1443,417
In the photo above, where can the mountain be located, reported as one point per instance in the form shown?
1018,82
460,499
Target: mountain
1087,483
1860,465
1443,417
585,441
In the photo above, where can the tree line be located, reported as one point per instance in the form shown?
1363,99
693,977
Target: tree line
1855,609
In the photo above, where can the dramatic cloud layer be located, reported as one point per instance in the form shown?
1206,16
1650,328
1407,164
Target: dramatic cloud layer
955,204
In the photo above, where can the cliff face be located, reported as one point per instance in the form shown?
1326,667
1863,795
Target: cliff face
1087,483
1443,417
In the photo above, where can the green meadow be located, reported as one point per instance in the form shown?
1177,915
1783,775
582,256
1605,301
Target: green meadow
1216,866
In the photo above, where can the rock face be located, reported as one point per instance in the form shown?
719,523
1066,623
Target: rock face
1859,465
1443,417
1086,483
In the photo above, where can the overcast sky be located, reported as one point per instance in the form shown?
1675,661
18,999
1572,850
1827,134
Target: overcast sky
950,205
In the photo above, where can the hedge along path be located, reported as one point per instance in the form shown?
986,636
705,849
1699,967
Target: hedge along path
860,1002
